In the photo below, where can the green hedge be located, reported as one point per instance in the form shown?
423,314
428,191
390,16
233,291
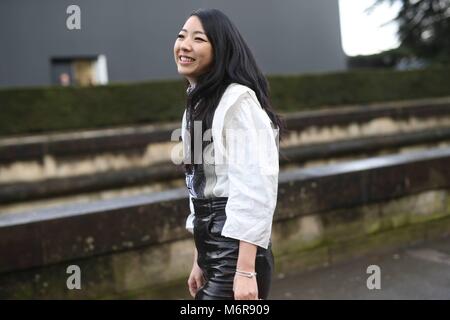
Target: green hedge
33,110
362,86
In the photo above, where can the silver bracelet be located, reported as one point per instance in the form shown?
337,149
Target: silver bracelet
245,273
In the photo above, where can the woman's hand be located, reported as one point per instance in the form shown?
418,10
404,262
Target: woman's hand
245,288
196,280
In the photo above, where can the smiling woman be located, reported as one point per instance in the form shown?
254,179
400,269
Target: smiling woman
193,51
231,203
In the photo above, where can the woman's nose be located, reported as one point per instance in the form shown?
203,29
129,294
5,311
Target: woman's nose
186,45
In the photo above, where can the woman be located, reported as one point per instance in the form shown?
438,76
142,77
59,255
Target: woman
230,143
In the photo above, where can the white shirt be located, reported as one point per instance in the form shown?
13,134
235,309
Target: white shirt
242,164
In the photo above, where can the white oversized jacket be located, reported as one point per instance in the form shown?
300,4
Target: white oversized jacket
242,165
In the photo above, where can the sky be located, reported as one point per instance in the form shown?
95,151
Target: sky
362,34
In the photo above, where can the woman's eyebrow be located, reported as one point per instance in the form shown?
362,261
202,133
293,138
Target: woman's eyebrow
194,31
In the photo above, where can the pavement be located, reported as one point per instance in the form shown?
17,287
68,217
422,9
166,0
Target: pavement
420,272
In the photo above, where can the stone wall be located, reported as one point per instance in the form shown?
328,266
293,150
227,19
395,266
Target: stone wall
136,247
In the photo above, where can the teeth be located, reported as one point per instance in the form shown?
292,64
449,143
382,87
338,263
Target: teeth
186,59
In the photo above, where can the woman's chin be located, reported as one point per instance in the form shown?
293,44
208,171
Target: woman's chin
184,71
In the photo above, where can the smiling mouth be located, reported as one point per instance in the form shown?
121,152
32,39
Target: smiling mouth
186,59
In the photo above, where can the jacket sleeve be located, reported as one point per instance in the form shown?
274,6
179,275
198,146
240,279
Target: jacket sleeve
252,170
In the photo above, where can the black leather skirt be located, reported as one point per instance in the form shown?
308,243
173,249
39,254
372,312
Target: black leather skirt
218,255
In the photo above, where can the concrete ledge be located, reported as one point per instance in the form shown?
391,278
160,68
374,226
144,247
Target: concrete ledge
83,142
420,108
48,236
160,272
343,185
137,138
23,191
365,145
44,237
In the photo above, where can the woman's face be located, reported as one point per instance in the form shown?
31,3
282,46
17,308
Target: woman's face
192,50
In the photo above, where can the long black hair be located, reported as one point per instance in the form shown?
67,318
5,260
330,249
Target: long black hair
233,62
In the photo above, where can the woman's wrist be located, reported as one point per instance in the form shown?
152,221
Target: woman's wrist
195,255
247,257
247,274
246,267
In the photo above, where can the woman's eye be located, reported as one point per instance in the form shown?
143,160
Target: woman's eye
180,36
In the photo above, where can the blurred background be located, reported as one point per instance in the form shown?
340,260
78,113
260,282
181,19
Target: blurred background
90,101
